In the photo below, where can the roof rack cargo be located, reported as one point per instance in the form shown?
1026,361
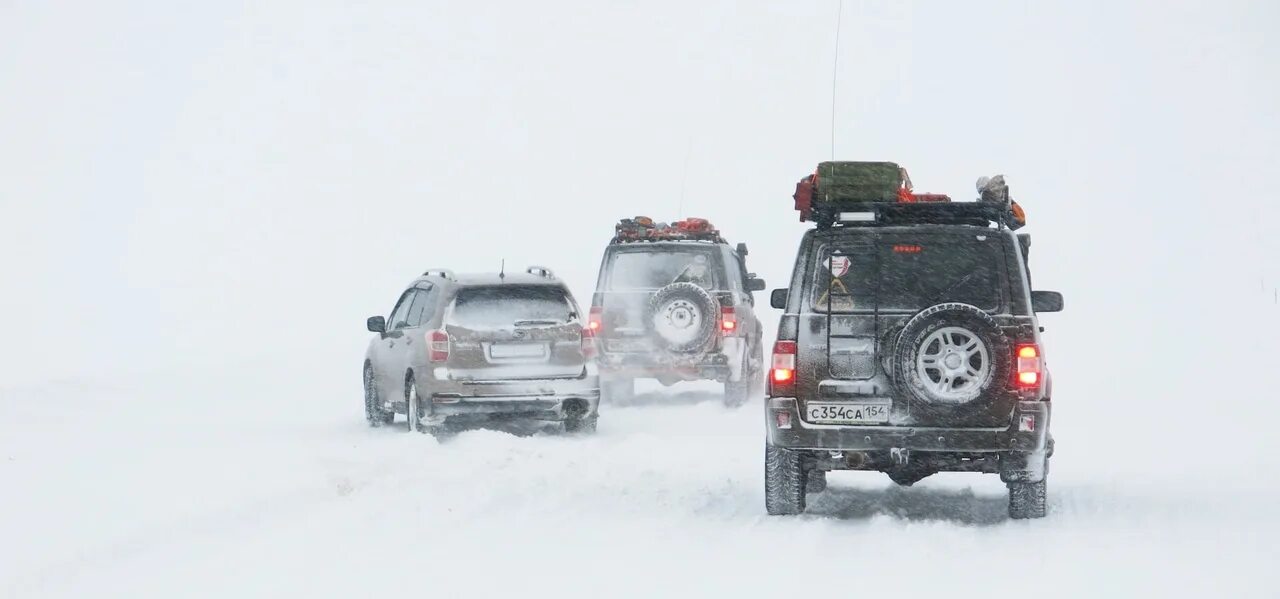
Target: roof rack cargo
880,193
643,228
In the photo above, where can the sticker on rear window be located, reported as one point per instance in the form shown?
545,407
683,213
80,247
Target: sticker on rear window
838,265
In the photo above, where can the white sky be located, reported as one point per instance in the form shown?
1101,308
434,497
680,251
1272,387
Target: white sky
240,181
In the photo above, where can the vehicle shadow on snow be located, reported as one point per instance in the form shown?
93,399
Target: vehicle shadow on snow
961,506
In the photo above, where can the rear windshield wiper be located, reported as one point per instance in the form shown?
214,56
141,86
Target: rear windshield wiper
529,323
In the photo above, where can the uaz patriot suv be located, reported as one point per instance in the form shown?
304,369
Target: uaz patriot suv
473,350
909,345
673,302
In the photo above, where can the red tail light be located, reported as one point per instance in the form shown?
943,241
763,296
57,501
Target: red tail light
437,346
1028,365
782,375
728,320
588,342
595,320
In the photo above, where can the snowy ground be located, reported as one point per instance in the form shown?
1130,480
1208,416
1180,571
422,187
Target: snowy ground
258,488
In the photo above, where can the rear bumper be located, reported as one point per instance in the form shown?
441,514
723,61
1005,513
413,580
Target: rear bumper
552,400
722,364
803,435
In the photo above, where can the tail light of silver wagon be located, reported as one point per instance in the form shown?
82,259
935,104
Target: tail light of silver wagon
438,346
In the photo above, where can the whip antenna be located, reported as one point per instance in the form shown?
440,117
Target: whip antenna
835,69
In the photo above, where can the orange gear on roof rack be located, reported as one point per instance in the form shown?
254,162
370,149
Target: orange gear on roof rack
643,228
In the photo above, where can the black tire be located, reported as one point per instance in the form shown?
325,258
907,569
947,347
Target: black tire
916,333
617,392
1027,500
816,481
784,481
373,411
681,303
581,426
736,394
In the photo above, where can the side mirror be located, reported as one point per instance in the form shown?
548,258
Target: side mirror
376,324
742,249
778,299
754,284
1046,301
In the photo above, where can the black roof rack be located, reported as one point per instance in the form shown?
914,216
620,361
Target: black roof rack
873,214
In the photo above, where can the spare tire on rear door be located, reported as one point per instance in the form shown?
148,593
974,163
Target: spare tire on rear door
950,354
682,318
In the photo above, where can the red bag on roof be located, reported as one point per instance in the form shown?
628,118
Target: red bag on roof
804,197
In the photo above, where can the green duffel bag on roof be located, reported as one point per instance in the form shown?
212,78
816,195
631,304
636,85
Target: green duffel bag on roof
858,182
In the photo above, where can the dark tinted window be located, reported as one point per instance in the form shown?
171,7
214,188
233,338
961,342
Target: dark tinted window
905,271
508,305
661,266
918,272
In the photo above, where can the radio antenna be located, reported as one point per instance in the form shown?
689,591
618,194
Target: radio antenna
835,70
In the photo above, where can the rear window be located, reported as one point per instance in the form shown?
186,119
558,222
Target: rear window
903,273
657,268
507,305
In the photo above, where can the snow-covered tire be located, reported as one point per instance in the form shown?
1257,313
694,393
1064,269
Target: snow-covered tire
1027,500
784,481
737,393
373,411
682,318
982,356
413,406
617,392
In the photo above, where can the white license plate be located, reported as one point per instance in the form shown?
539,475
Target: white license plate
517,350
847,413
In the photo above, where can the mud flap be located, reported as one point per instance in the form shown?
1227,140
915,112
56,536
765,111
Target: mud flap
1024,467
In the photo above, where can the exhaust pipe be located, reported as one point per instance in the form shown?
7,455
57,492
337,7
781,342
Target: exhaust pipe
574,408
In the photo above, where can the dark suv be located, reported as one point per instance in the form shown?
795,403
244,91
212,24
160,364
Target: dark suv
910,345
474,350
673,303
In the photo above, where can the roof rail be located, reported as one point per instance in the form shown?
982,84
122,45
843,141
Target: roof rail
541,271
443,273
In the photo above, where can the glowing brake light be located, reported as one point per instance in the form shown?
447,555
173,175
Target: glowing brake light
437,346
595,320
1029,365
783,371
728,320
